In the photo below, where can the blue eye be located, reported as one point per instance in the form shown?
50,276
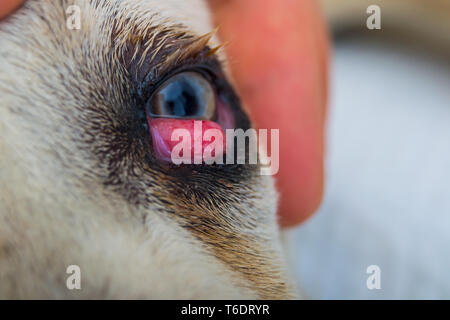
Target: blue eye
187,95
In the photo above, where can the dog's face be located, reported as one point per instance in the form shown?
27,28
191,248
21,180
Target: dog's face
79,180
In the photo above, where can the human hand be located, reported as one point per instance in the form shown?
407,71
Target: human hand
279,51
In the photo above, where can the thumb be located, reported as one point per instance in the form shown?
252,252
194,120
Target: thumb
7,6
279,51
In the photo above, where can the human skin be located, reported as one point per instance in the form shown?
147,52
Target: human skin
7,6
279,57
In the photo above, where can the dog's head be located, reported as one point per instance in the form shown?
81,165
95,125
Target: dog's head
80,183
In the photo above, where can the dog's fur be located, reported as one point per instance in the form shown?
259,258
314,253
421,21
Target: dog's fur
78,185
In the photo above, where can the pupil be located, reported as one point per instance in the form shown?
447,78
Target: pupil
181,99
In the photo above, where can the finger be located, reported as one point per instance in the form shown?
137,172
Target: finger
279,53
8,6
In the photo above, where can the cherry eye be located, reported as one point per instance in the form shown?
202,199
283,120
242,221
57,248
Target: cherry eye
187,95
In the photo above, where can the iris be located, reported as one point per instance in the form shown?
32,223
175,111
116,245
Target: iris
187,95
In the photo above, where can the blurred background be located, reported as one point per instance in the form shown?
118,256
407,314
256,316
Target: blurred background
387,198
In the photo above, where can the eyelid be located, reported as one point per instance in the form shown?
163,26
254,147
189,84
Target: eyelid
205,71
149,89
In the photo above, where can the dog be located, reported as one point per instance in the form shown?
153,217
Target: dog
80,184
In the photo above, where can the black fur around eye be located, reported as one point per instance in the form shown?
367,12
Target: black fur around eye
186,95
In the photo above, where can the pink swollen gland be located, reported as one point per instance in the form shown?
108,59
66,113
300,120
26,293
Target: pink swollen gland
162,129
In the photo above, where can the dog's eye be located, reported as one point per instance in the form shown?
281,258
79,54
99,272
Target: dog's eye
186,95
